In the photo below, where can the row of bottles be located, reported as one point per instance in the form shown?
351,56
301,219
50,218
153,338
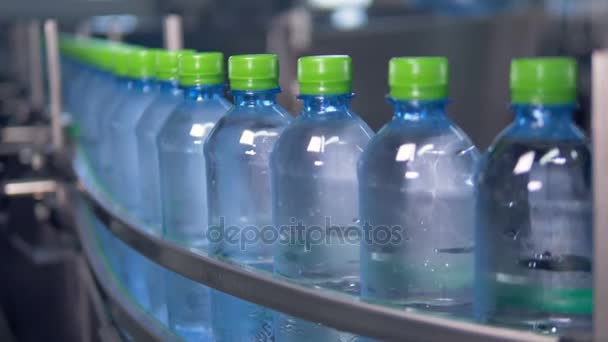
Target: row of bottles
412,217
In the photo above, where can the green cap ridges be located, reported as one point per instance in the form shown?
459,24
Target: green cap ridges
205,68
141,63
120,61
167,63
418,78
325,75
106,57
253,72
543,81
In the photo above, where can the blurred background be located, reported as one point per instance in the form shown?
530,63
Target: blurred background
479,37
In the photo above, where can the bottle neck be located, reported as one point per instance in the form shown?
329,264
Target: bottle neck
258,98
123,82
142,84
168,86
416,110
203,92
538,116
314,105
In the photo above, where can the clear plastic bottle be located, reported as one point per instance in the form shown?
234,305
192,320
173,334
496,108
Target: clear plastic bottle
417,199
237,155
534,231
149,205
314,184
123,141
169,96
121,85
184,186
124,163
116,250
103,85
83,73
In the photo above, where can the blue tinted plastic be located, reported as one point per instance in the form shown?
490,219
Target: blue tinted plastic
104,115
184,201
314,184
74,92
147,131
124,178
123,142
237,155
149,204
534,230
103,85
417,207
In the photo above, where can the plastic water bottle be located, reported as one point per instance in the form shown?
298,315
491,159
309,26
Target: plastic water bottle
122,84
84,72
123,141
417,199
119,254
184,186
103,85
147,130
314,182
237,155
125,168
534,233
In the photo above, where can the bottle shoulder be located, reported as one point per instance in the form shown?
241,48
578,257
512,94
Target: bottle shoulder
320,149
188,112
243,131
192,121
557,130
400,141
155,115
417,159
130,110
311,134
527,164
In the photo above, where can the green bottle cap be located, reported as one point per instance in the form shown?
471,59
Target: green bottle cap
325,75
106,57
547,81
141,63
167,63
253,72
205,68
91,54
418,78
97,55
91,51
121,57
